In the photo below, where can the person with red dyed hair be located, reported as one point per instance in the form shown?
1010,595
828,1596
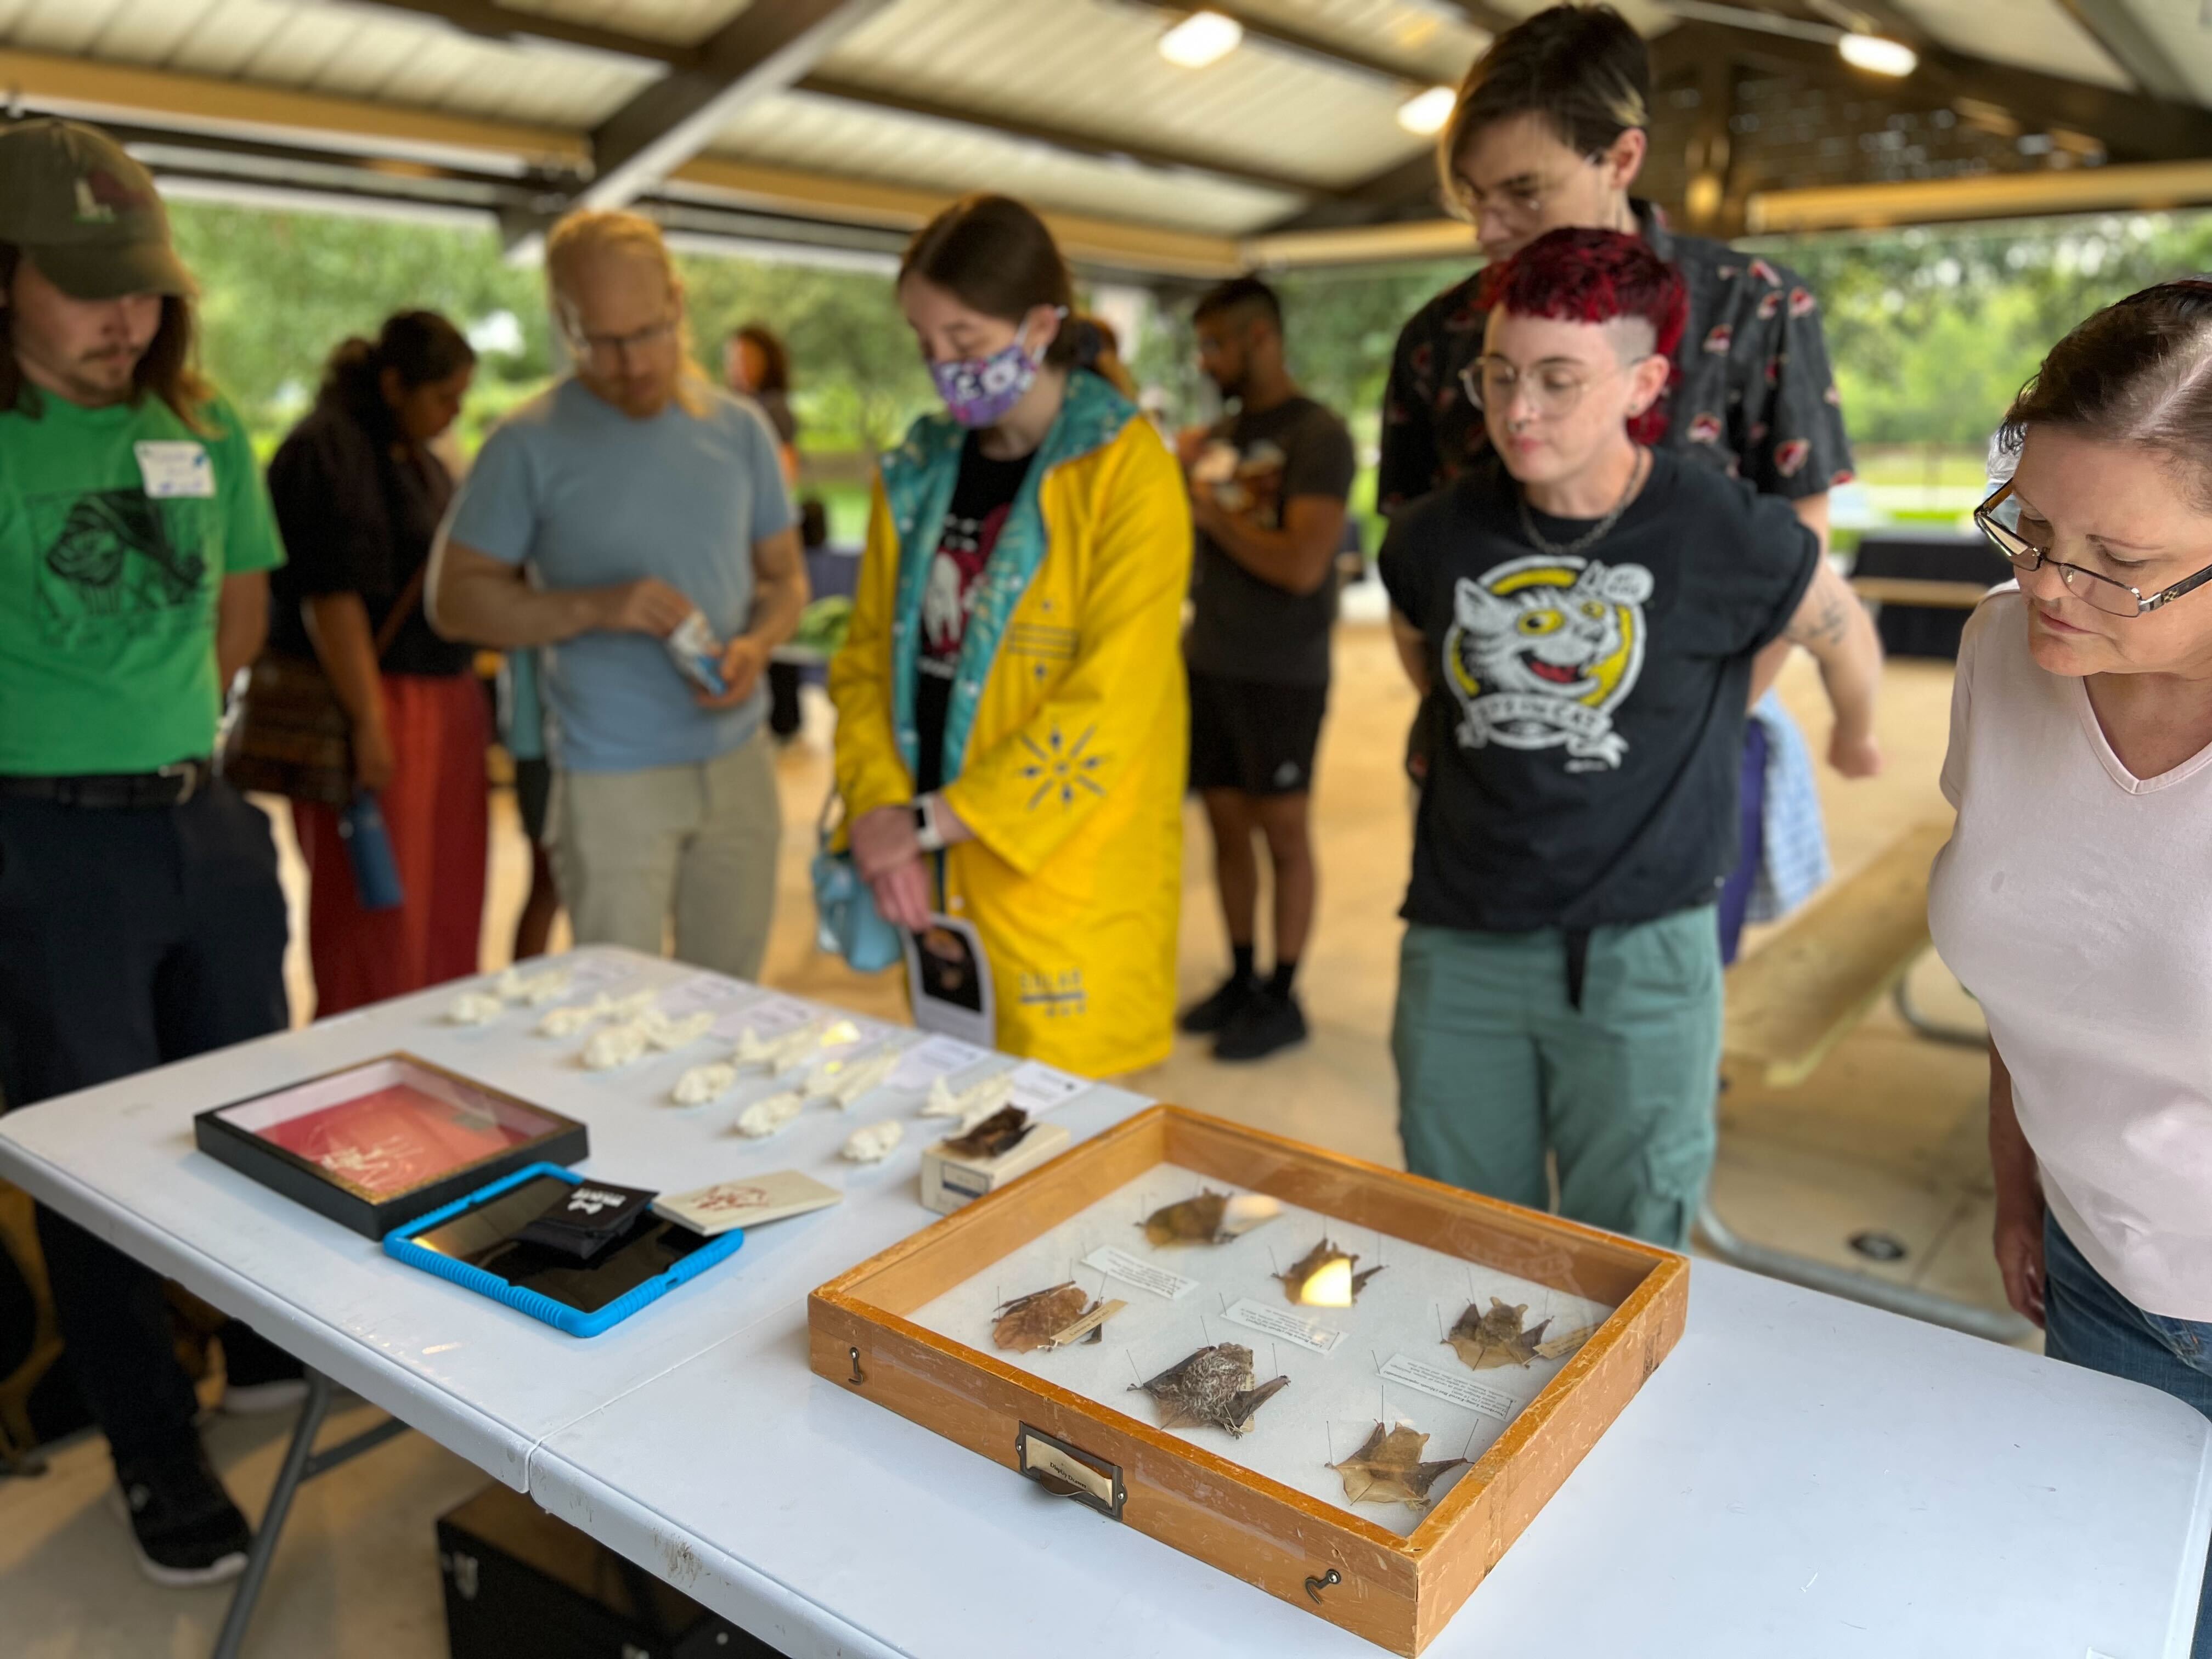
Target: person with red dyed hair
1586,607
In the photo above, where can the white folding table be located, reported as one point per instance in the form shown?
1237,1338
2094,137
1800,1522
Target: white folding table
1802,1477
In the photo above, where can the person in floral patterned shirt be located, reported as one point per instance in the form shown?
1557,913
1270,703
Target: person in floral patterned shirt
1549,131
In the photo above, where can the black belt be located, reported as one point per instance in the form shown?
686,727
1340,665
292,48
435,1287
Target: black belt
171,785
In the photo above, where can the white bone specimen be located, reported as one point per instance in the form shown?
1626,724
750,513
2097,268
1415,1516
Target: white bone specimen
567,1022
535,989
844,1081
617,1045
669,1034
475,1008
764,1117
971,1105
704,1083
873,1143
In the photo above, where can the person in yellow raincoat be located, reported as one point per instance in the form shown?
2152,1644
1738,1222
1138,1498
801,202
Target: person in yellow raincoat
1012,723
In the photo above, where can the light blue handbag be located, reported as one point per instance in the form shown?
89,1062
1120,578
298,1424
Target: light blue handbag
848,922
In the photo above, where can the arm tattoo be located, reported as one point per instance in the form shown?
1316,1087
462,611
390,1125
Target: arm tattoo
1824,629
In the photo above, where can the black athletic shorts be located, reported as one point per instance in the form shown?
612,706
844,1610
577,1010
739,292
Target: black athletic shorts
1252,737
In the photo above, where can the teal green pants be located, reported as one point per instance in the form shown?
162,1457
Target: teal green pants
1496,1068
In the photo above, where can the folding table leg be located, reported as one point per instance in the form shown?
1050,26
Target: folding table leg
301,1463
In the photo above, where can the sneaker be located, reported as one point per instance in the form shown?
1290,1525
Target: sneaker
259,1377
183,1524
1264,1024
1214,1015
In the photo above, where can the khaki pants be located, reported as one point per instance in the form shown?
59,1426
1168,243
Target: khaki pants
698,842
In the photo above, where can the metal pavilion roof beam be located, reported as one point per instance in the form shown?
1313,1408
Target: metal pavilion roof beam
766,47
1332,54
489,20
2114,25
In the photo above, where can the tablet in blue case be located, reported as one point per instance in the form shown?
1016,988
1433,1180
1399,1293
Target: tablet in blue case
406,1244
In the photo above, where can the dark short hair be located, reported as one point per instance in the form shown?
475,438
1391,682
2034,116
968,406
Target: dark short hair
995,255
1581,276
1580,68
775,360
1246,295
2138,373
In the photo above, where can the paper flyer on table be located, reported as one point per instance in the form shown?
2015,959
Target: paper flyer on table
770,1016
932,1059
710,992
1039,1088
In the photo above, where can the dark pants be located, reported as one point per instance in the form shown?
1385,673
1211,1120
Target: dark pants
2089,1323
1751,841
129,938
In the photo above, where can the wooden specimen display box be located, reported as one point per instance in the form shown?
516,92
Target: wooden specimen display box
1349,1387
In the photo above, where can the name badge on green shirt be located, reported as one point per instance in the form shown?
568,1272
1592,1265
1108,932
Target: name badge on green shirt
172,467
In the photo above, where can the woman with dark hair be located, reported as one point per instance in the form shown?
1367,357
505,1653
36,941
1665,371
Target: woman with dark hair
359,495
756,365
2075,899
1012,726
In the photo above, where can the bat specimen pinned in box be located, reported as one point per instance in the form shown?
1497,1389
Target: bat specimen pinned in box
1388,1469
1212,1388
1051,1319
1485,1341
1212,1217
994,1137
1322,1278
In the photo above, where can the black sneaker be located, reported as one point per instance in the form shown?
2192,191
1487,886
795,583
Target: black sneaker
1264,1024
1214,1014
182,1523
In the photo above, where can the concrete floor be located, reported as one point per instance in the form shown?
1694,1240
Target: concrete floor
1887,1136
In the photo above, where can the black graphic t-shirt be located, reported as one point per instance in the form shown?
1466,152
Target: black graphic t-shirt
1243,627
1596,703
982,498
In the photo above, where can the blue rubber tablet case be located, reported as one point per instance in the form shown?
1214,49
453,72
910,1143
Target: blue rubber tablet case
401,1243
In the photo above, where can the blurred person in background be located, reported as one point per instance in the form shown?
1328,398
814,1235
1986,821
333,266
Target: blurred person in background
141,921
1268,491
359,495
601,519
1009,698
1549,131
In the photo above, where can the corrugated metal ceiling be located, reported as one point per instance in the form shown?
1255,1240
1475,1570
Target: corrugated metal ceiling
2183,29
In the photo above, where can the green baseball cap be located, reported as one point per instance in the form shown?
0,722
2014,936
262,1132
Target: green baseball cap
87,215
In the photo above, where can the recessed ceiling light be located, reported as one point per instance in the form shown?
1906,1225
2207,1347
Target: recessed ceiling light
1202,38
1425,112
1876,55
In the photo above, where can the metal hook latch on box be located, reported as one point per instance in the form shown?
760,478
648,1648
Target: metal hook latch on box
1315,1586
859,1375
1070,1472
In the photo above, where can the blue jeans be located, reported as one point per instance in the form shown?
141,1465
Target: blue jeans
2088,1323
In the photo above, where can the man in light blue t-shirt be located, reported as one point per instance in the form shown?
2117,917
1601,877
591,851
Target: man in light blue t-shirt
599,517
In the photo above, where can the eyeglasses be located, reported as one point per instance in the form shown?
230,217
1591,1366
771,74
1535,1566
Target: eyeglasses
1521,202
608,346
1554,390
1998,519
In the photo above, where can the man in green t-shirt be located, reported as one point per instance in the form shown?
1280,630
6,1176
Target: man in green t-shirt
140,917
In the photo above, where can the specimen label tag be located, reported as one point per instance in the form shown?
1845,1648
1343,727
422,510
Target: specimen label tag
1040,1088
770,1017
1282,1322
1121,1265
1440,1384
932,1059
707,991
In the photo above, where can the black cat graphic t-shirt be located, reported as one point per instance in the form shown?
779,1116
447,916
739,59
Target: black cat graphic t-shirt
1596,701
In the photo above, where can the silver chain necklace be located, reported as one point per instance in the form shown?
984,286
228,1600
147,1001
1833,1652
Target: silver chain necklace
1596,532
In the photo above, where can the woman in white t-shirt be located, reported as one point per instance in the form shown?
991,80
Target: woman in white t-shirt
2075,899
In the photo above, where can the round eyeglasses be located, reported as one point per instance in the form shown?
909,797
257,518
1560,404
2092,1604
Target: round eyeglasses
1553,391
1998,519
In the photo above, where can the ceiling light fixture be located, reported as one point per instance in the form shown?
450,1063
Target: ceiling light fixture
1424,113
1877,55
1202,38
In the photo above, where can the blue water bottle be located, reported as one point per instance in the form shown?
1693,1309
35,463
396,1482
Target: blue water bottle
368,845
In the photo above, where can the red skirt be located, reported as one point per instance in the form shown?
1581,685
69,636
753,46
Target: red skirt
437,811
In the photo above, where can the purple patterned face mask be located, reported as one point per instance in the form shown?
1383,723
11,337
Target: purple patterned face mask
978,391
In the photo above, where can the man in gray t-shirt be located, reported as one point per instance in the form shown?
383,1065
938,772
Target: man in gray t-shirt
599,517
1267,486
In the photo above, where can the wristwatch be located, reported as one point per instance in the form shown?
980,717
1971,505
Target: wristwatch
926,836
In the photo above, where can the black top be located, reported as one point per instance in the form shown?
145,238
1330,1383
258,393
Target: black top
776,406
982,498
1597,703
1756,396
1242,626
358,512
